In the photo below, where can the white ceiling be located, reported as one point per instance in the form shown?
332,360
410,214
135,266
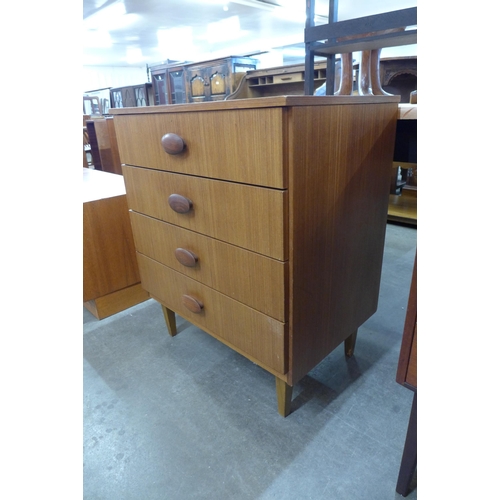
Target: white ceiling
140,32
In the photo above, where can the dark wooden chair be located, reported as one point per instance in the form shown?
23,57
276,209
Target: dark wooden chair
367,34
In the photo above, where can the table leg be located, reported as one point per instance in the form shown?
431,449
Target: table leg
349,344
284,397
409,459
170,321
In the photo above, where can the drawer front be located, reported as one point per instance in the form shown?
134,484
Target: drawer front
240,145
246,276
289,78
251,332
246,216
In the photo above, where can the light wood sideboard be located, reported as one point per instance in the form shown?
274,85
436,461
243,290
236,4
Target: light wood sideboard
111,281
262,221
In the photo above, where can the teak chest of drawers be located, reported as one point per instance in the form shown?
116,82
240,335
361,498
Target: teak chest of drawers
262,221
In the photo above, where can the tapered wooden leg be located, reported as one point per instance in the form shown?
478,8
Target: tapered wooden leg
349,344
375,73
346,78
364,83
170,320
284,397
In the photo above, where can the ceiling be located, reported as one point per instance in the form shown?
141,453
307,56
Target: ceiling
140,32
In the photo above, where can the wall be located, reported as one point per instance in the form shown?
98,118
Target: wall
99,77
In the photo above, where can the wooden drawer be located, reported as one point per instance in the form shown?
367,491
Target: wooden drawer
239,145
249,331
247,216
289,78
246,276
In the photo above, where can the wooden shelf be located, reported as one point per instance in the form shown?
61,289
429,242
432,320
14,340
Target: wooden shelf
364,33
403,208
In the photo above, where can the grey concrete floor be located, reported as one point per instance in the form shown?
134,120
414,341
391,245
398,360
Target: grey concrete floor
187,418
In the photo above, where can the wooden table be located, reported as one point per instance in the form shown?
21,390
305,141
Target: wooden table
111,281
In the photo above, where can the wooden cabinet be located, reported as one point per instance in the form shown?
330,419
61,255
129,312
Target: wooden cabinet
197,82
215,80
281,80
111,281
169,85
262,221
131,96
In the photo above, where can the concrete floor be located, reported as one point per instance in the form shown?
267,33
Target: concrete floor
186,417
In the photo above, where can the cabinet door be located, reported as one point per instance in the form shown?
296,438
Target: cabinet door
218,79
160,90
196,84
141,96
176,86
208,83
116,98
128,97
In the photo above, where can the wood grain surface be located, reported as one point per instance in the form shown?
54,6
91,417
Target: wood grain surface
251,278
250,331
243,146
247,216
337,223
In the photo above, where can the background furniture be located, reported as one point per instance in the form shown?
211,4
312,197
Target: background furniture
91,105
87,155
281,80
398,76
131,96
366,34
103,145
111,281
407,376
403,197
200,81
262,221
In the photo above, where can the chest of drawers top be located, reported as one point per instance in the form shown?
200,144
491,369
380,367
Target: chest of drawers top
241,141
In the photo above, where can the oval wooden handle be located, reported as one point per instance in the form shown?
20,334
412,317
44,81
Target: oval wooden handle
192,304
173,144
185,257
179,203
